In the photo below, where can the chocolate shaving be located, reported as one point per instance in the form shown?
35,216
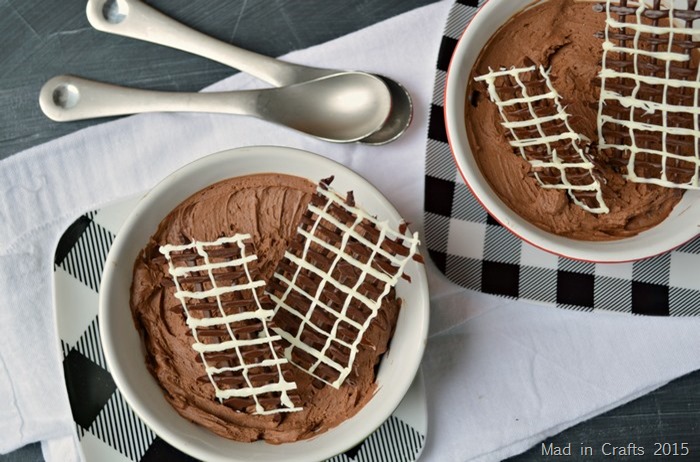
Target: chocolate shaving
651,138
247,365
333,281
326,182
537,129
350,199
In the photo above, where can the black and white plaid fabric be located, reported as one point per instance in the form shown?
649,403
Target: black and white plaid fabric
474,251
107,427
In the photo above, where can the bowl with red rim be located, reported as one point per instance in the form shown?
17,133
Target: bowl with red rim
682,225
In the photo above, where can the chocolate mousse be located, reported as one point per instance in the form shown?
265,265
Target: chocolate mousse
554,51
221,263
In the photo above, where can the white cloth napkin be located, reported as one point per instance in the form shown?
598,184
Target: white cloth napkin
500,375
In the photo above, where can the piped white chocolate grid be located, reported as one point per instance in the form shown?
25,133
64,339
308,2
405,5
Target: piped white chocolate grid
521,97
667,57
234,345
311,235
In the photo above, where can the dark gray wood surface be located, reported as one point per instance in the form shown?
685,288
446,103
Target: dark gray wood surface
39,39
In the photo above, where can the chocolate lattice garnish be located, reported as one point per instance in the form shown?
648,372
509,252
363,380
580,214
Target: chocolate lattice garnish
332,281
537,127
223,299
650,87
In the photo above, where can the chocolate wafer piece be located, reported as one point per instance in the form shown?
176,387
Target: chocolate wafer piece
650,90
222,297
331,283
537,128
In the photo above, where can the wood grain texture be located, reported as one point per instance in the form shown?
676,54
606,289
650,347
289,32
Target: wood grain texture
43,39
40,39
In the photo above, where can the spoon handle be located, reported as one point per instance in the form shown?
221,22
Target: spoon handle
66,98
135,19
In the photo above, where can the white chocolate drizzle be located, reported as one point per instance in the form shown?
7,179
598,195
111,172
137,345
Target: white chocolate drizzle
350,293
523,98
666,58
280,385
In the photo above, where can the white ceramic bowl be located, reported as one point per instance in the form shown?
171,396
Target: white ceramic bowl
681,226
124,350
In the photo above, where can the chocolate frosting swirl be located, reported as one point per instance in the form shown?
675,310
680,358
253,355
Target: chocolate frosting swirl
269,207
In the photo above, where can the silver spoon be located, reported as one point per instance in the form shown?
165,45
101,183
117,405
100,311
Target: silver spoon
135,19
341,108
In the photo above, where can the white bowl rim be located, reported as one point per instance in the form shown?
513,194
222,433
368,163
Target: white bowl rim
387,405
614,251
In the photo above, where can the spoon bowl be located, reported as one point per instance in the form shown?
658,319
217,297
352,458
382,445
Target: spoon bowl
399,118
135,19
340,108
